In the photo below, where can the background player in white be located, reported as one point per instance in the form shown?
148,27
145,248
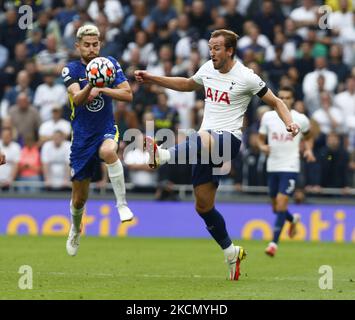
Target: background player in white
229,86
283,163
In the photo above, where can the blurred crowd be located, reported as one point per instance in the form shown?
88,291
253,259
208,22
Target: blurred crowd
287,42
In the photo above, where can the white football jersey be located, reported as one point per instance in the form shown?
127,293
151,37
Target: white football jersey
284,149
227,96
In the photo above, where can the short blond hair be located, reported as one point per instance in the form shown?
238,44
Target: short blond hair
230,38
87,30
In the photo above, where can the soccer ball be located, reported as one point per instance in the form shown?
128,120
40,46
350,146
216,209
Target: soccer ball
100,72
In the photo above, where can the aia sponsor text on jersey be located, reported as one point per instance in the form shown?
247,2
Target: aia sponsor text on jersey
281,136
217,96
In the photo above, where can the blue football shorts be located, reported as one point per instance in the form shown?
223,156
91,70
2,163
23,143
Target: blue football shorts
84,157
204,172
281,182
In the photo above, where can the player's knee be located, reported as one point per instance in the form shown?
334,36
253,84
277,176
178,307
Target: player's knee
107,152
280,207
203,206
79,202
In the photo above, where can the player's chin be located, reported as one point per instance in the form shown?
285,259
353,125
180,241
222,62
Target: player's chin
215,65
92,56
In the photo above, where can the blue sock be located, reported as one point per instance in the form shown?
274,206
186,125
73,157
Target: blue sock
217,227
289,216
187,152
279,223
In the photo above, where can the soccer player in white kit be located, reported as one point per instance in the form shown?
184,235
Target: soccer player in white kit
229,87
283,163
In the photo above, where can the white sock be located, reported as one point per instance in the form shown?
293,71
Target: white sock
230,252
164,155
116,175
273,244
76,215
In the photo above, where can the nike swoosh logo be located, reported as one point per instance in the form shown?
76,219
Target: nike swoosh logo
82,79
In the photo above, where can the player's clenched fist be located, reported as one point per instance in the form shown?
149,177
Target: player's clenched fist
94,92
293,128
141,75
2,159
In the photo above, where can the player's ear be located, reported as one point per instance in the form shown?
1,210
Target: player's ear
230,52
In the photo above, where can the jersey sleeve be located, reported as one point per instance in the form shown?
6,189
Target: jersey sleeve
304,123
120,76
70,75
197,77
255,84
263,125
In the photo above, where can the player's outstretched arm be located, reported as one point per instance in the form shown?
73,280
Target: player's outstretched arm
282,110
174,83
79,97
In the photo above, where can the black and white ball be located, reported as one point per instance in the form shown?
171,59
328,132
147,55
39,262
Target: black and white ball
100,72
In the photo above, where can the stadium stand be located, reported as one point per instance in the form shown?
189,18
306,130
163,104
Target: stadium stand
283,41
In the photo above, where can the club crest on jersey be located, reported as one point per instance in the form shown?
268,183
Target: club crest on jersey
217,96
96,105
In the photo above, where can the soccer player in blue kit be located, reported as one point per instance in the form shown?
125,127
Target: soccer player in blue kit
95,135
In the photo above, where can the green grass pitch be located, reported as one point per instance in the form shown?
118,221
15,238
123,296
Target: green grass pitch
140,268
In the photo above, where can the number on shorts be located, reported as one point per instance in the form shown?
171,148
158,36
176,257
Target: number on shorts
291,186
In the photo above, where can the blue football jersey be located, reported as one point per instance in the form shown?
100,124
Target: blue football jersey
95,118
